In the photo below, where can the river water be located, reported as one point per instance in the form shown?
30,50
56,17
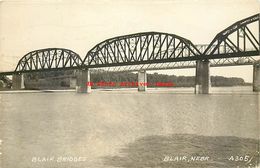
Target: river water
126,128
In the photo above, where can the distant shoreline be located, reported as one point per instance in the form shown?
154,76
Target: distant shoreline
3,91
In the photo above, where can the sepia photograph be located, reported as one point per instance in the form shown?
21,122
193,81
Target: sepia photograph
129,83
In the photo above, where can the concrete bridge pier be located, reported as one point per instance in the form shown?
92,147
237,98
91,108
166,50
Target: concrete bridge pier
83,77
142,80
256,77
18,81
202,78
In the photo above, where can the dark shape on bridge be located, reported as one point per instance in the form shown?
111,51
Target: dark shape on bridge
140,48
236,40
48,59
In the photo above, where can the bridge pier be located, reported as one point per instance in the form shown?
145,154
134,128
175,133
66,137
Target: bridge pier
83,77
202,78
256,77
18,81
142,80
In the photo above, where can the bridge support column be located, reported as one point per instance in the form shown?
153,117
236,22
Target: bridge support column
83,77
256,77
142,80
202,78
18,81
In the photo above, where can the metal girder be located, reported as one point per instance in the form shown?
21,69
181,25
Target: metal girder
236,39
48,59
140,48
157,47
182,65
148,49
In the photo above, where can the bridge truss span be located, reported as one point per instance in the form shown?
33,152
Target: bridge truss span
239,39
235,45
239,61
48,59
140,48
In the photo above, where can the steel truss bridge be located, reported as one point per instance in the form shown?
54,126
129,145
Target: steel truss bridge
238,44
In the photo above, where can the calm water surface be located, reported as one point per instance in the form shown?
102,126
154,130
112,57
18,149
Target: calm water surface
116,128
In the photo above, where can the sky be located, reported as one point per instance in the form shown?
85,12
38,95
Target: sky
27,25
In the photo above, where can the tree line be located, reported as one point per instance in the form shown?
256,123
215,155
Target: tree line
179,81
117,77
